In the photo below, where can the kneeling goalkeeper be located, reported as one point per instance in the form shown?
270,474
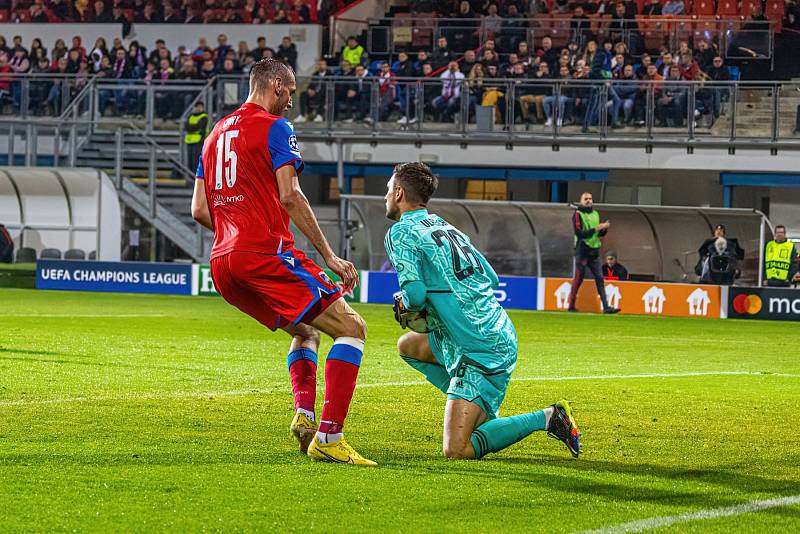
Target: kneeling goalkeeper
465,344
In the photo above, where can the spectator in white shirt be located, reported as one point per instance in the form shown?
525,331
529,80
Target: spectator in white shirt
446,104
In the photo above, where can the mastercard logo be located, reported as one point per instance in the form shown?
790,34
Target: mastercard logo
750,304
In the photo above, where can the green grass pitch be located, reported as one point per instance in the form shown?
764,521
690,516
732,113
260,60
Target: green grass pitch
165,414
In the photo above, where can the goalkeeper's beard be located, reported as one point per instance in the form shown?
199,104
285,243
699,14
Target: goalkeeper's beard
393,213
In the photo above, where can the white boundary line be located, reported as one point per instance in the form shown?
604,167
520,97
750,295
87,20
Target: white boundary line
201,394
82,315
711,513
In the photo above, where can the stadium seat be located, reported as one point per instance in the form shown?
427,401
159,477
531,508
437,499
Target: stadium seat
653,31
727,8
424,24
560,31
703,8
23,14
75,254
4,15
775,9
707,29
93,255
748,6
26,255
50,254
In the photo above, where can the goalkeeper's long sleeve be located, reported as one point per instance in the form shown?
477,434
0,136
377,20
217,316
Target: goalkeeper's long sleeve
414,295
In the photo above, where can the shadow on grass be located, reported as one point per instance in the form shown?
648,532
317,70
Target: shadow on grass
91,363
31,352
588,477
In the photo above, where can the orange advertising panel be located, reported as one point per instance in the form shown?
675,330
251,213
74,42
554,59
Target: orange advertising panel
642,298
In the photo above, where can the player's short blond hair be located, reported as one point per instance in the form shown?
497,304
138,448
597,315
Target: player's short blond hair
266,70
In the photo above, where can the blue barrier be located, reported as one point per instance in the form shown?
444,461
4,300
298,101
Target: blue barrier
514,292
119,277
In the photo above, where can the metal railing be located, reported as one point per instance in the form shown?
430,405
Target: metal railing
734,38
502,110
526,110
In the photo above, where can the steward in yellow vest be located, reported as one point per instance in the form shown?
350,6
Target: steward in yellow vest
780,260
353,52
196,128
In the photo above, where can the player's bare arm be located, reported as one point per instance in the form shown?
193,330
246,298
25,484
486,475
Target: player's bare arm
200,211
297,206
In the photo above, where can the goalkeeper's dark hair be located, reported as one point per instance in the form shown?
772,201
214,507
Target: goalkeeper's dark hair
266,70
417,180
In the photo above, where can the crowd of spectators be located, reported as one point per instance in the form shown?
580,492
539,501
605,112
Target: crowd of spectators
487,77
66,68
493,12
127,12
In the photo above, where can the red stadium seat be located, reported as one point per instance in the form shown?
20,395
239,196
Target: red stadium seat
703,8
654,31
24,15
422,34
708,29
727,8
775,9
4,15
559,31
128,14
748,6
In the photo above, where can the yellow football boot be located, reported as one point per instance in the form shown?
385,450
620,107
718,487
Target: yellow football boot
338,452
303,430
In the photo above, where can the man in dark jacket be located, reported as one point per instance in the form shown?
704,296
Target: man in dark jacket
442,55
287,52
614,270
588,231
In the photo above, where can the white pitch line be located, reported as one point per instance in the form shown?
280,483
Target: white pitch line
711,513
82,315
200,394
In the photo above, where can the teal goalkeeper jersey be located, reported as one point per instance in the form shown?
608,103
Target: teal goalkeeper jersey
460,282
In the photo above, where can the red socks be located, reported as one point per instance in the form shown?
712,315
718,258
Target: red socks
341,371
303,371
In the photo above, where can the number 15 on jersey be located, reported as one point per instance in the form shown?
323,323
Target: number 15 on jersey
229,163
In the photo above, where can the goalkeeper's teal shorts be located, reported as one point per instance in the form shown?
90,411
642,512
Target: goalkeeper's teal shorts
479,378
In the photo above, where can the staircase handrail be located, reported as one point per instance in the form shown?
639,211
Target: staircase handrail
78,98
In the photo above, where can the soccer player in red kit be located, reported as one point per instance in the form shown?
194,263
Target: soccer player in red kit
246,191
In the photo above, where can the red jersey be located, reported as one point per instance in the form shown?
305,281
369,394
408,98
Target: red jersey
240,158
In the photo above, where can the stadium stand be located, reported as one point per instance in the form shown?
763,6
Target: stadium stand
211,11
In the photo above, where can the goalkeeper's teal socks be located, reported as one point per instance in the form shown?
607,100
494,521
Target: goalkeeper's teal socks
434,373
497,434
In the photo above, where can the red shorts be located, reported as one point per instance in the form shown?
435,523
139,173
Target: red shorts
275,290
